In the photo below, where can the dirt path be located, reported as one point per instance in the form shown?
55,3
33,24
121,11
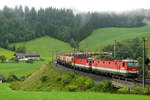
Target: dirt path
37,72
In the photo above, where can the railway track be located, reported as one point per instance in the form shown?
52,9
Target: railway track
116,80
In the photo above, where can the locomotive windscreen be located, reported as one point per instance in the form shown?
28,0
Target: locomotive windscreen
132,64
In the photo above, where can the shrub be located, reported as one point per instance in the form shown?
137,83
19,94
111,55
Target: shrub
66,80
80,82
2,58
22,78
12,78
104,86
88,84
136,90
84,83
30,61
15,85
73,75
123,90
44,78
72,88
58,79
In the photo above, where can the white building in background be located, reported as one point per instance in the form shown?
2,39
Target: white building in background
25,57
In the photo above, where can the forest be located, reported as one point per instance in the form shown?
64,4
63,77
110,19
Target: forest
23,23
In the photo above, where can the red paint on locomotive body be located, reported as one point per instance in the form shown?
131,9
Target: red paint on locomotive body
119,67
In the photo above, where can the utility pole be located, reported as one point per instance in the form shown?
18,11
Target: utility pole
115,49
143,63
74,60
56,56
52,55
86,50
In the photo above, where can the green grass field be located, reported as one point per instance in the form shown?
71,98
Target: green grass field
45,46
8,54
7,94
102,37
19,69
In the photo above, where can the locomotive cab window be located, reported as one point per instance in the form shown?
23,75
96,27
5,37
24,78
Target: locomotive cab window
123,64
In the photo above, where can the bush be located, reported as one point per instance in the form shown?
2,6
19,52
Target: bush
72,88
22,78
123,90
12,78
88,84
104,86
30,61
72,75
44,78
66,80
84,83
134,90
2,58
58,79
15,85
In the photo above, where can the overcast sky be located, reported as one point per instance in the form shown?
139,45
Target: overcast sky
81,5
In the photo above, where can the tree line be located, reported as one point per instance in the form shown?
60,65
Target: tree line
22,24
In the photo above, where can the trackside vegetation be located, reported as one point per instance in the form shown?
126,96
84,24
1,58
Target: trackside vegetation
52,80
7,93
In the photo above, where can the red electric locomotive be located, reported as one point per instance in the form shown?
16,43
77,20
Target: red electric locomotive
128,67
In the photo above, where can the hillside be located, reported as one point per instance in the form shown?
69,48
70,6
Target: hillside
44,46
48,78
105,36
8,54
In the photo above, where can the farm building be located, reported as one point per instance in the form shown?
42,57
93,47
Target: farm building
25,57
1,78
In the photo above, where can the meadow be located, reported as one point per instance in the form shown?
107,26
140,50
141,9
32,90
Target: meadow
8,54
104,36
45,46
19,69
7,94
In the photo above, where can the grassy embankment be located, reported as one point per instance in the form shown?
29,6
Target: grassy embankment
104,36
45,46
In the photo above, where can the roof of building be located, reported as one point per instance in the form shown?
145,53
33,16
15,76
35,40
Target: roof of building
27,55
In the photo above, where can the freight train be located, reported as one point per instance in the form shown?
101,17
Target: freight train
126,67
